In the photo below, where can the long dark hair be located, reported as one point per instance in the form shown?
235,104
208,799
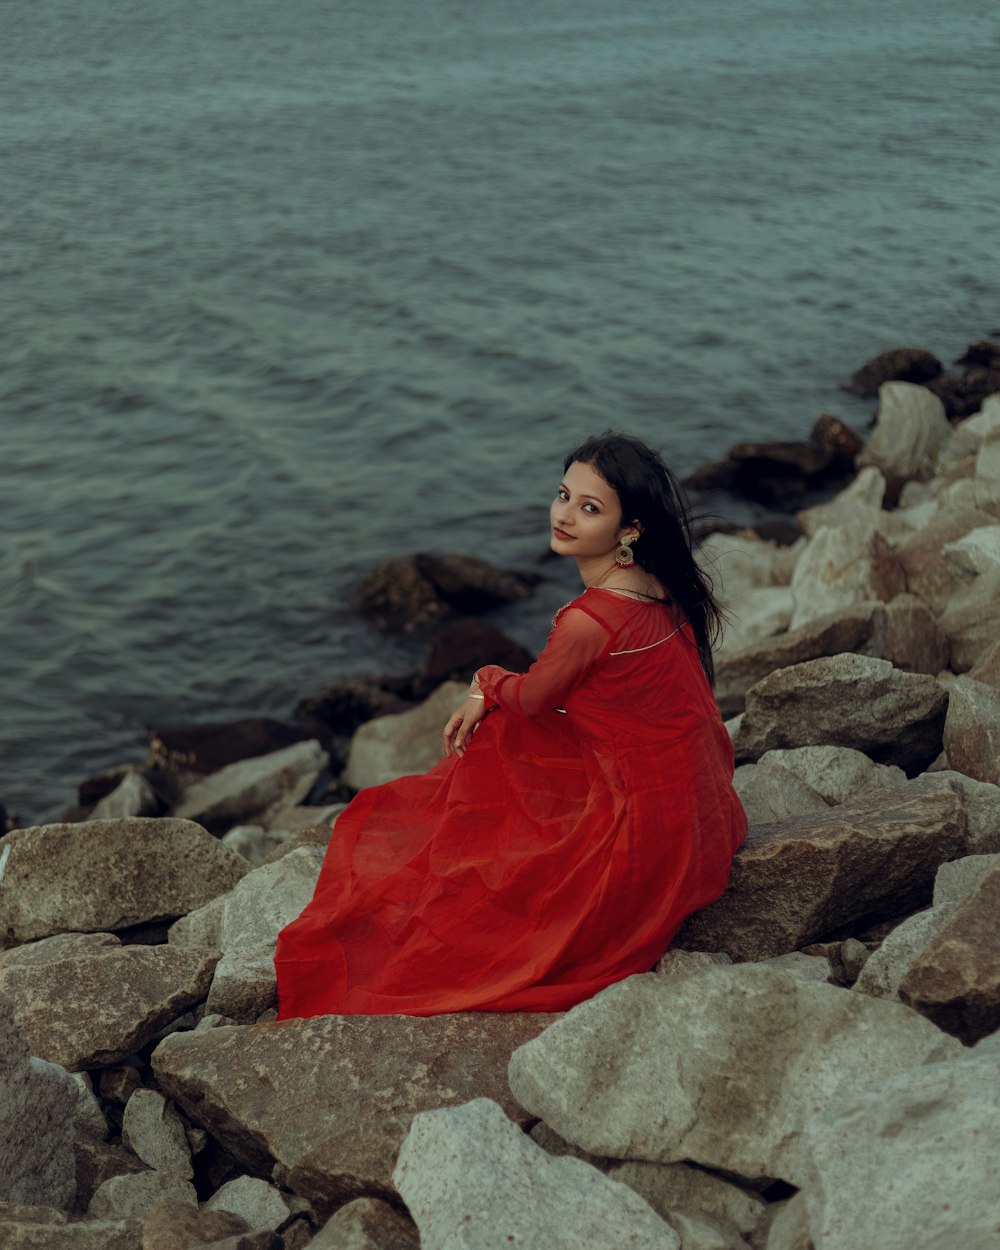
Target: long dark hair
650,494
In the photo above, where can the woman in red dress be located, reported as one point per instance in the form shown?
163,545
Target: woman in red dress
582,809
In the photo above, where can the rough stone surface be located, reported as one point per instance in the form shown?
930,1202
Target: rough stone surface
836,774
256,1202
92,1235
96,1162
769,792
366,1224
757,613
133,796
850,701
789,1228
910,428
987,667
473,1181
743,561
805,879
132,1197
408,742
721,1069
841,566
87,1114
699,1232
971,619
972,729
201,927
93,1011
266,900
176,1225
862,499
930,1136
254,842
250,791
37,1101
981,801
929,575
330,1099
907,364
409,592
154,1130
108,874
955,980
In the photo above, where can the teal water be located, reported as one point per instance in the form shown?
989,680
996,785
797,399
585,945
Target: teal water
289,288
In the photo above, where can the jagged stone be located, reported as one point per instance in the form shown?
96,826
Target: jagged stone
680,963
955,980
722,1069
987,668
472,1180
743,561
133,796
906,364
135,1195
255,911
930,1136
108,874
834,773
862,499
846,700
90,1235
367,1224
93,1011
350,1086
971,619
408,742
910,427
843,565
972,729
257,1203
154,1130
802,880
699,1232
87,1115
758,613
96,1162
789,1227
37,1102
250,791
928,574
201,927
814,968
769,792
176,1225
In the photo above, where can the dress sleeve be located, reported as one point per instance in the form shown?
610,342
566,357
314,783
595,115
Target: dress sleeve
576,644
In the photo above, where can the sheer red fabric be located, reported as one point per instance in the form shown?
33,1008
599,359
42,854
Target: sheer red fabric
592,812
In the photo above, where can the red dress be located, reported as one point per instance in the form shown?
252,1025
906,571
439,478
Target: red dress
592,812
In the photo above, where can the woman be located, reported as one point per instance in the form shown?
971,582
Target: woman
582,810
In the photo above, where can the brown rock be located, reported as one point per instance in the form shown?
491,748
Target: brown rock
987,668
956,978
928,574
846,700
207,747
972,729
108,874
350,701
367,1224
900,364
347,1089
806,879
459,649
93,1011
90,1235
963,396
175,1225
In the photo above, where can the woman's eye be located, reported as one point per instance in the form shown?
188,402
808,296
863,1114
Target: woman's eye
591,508
562,494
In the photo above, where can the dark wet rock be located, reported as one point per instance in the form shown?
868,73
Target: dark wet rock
207,747
411,592
963,396
900,364
836,439
350,701
984,354
459,649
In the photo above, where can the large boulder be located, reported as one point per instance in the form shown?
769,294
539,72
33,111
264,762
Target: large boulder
861,500
108,874
843,565
971,619
722,1069
910,428
410,592
206,746
349,1088
473,1181
928,573
91,1011
846,700
902,364
406,743
836,774
811,877
929,1135
155,1132
972,729
249,791
955,980
37,1103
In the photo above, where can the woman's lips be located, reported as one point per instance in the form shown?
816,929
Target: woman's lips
562,534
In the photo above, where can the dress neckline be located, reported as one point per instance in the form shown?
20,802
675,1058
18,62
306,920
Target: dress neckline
624,594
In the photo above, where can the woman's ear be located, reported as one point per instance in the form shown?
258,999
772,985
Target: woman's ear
632,530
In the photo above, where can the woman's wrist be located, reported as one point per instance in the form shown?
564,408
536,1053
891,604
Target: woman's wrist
474,691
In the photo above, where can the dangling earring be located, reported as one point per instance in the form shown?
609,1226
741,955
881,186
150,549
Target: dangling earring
623,556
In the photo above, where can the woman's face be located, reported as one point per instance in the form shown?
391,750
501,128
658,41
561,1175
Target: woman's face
586,515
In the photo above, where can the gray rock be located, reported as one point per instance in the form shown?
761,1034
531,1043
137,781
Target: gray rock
201,927
350,1086
254,842
981,801
722,1069
366,1224
841,566
88,1116
407,742
678,963
861,500
257,1203
797,882
251,790
90,1235
929,575
811,968
987,667
473,1181
700,1232
930,1137
789,1228
38,1101
910,428
96,1162
970,619
260,906
133,796
849,701
959,877
93,1011
176,1225
154,1130
134,1196
972,729
60,946
770,792
836,774
757,613
108,874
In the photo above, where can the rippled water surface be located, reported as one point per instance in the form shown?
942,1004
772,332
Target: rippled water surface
289,288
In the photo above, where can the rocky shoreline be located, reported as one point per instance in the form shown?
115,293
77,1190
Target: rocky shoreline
815,1063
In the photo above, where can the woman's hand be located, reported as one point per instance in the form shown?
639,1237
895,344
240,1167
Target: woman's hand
462,725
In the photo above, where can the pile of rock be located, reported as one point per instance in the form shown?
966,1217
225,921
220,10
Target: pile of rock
815,1063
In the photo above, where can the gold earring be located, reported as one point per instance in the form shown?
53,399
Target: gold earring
623,555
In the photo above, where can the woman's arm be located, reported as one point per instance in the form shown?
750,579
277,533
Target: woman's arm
577,642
